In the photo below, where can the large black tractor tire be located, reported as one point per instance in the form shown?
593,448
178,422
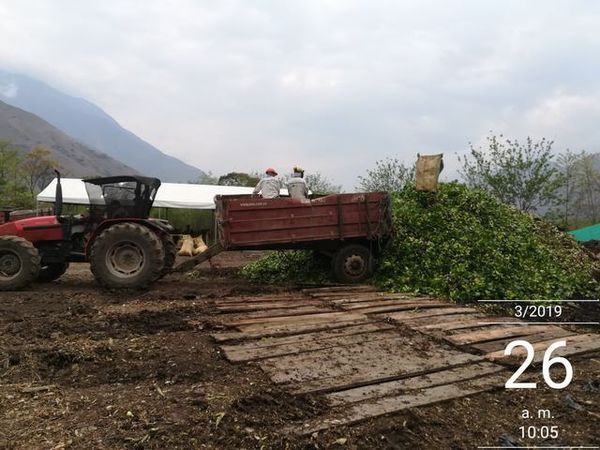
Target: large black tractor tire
127,255
352,264
19,263
170,250
52,272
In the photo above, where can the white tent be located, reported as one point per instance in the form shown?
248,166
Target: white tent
169,195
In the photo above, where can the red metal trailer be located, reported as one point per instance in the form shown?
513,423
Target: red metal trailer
352,229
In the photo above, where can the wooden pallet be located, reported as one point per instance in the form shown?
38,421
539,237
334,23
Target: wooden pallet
370,353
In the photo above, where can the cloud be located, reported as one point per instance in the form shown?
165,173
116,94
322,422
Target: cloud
9,90
331,85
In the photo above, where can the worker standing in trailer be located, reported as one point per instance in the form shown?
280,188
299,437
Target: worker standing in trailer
296,185
270,185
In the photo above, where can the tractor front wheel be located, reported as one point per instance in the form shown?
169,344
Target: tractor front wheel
127,255
19,263
52,272
353,264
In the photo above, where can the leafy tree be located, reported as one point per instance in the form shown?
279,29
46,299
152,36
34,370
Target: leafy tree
238,179
320,184
586,187
12,190
388,175
520,174
37,169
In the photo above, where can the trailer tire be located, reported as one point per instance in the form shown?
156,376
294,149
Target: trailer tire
127,255
19,263
52,272
170,250
352,264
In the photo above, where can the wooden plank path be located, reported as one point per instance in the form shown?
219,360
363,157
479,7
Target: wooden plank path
370,353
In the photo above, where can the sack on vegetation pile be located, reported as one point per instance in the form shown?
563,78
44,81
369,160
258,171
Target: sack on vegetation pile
427,172
187,246
461,244
199,245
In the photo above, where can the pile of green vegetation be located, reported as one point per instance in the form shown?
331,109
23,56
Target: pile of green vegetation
289,266
464,244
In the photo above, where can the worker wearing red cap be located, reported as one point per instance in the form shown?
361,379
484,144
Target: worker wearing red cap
270,185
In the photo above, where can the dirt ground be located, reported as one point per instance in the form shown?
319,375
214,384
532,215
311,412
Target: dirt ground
82,367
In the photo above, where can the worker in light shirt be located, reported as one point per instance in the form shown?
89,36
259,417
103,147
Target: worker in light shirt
296,185
269,186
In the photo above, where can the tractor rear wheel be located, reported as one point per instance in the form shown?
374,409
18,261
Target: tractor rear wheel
170,253
353,264
127,255
19,263
52,272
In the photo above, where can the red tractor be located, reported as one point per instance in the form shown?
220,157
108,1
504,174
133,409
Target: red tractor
124,247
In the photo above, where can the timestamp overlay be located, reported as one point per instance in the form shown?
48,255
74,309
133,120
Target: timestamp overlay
553,365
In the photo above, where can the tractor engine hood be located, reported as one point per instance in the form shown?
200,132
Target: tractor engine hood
34,229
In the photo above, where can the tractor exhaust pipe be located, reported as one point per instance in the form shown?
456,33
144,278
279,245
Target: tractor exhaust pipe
58,197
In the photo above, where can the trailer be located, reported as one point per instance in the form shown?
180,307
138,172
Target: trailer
351,229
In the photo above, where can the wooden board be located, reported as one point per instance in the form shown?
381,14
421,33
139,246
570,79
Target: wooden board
493,333
314,336
235,353
260,299
405,316
296,318
346,415
378,296
428,380
454,322
339,289
287,329
578,344
500,344
401,305
265,315
243,307
361,363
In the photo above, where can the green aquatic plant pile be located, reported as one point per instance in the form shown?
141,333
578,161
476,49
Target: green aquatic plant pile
461,244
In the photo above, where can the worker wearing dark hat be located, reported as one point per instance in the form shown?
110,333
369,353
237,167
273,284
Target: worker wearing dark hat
270,185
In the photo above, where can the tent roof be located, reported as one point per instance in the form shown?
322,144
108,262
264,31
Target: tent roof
169,195
591,233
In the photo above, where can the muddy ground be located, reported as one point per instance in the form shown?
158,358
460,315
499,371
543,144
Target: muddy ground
85,368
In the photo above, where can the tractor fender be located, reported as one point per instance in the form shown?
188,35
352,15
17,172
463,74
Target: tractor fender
148,223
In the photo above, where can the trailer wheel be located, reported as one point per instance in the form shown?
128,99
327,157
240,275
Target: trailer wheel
19,263
170,250
352,264
127,255
52,272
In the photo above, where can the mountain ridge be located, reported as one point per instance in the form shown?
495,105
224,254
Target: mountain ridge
92,126
25,131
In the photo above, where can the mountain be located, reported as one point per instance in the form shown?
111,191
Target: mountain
25,131
90,125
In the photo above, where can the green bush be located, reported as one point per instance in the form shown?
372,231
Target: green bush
464,244
461,244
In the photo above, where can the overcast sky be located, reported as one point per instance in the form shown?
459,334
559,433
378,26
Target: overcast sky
332,85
